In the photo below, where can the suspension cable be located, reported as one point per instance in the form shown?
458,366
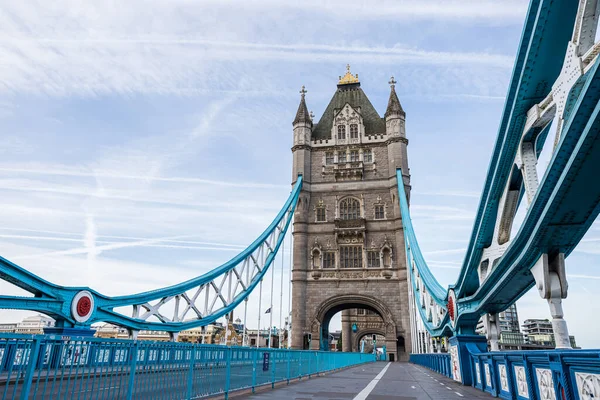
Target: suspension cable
281,295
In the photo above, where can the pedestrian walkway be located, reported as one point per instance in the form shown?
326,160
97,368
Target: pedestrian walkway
376,381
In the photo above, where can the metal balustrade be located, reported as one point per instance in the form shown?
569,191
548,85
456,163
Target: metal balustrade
535,374
55,367
439,363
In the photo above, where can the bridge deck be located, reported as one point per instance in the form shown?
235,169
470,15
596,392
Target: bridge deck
401,381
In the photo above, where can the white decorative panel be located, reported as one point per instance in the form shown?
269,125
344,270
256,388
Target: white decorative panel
455,364
545,383
488,376
478,372
503,378
522,388
588,385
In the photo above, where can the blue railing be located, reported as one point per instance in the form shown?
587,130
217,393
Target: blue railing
439,363
535,374
55,367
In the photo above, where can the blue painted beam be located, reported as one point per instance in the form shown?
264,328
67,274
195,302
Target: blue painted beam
56,301
547,31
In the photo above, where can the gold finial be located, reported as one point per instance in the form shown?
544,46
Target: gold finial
392,82
348,78
303,91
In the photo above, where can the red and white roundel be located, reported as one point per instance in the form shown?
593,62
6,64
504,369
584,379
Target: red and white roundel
451,306
82,306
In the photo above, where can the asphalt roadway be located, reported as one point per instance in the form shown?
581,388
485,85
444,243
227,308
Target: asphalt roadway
401,381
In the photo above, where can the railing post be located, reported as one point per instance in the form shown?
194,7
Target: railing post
227,371
254,359
273,362
190,383
289,365
33,356
133,350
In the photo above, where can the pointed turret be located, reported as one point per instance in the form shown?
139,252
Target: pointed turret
303,126
395,128
394,106
302,115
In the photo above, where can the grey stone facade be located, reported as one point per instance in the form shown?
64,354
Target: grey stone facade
348,239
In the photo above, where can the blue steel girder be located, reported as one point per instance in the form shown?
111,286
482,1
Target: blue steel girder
562,207
423,284
222,289
565,206
548,28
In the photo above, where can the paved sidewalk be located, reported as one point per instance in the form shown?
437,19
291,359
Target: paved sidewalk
401,381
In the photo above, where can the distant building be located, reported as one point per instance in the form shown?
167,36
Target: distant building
539,332
537,327
34,325
263,338
509,319
8,328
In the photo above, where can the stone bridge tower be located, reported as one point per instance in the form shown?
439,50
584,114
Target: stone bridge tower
348,240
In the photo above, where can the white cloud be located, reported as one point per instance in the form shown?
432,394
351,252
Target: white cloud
187,48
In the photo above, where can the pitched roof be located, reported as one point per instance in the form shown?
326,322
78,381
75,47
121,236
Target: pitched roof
302,115
393,103
353,95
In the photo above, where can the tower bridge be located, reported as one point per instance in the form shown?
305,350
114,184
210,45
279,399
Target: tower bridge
355,250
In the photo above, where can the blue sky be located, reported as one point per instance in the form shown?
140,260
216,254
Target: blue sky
145,143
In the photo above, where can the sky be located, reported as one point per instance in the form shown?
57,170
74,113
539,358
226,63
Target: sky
145,143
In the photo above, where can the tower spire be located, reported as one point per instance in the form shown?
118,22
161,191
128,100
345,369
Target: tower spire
302,115
394,106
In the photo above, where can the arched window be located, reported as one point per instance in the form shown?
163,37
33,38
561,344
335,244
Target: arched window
341,131
353,131
349,208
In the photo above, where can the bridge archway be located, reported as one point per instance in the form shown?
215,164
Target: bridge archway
332,305
366,332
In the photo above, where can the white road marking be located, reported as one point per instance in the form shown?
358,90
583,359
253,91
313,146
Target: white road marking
104,388
442,384
447,387
412,387
366,391
459,394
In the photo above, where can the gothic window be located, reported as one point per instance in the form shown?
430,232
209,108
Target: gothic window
350,256
353,131
379,211
329,158
329,259
353,155
321,214
368,156
349,208
342,157
360,311
341,131
372,259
